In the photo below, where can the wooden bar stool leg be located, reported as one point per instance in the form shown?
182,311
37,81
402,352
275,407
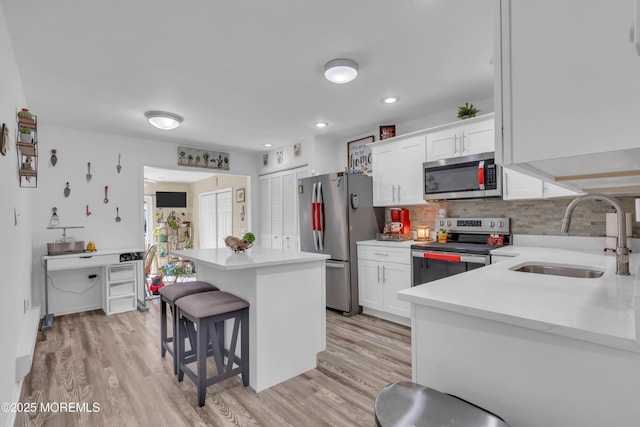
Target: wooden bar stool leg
201,335
163,327
244,343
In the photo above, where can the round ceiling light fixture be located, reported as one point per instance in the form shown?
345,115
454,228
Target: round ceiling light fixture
163,120
268,145
340,70
390,100
321,125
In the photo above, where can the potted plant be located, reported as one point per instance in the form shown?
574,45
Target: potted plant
25,135
172,220
442,235
466,111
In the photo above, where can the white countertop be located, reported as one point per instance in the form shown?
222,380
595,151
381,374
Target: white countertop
601,310
387,243
226,259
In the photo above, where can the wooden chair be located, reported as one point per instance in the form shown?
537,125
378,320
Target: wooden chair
148,262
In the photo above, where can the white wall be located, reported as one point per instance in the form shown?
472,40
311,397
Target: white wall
74,149
15,240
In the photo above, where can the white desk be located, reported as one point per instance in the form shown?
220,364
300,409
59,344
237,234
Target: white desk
287,315
124,271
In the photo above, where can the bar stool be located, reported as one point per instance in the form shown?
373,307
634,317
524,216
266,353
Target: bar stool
410,404
208,312
169,295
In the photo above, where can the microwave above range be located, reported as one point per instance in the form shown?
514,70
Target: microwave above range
467,177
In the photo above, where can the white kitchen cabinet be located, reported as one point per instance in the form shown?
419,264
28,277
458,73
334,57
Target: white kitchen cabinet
382,272
519,186
120,288
461,140
397,171
279,209
569,87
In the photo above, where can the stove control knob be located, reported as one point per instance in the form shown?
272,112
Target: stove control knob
500,224
441,223
492,224
448,223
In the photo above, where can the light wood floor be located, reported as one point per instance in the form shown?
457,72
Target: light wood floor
115,363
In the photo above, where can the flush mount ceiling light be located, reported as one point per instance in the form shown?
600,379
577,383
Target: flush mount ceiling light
163,120
340,70
268,145
390,100
321,125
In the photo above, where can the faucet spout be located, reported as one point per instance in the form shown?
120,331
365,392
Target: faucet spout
622,251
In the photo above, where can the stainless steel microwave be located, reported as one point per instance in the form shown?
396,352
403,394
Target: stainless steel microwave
466,177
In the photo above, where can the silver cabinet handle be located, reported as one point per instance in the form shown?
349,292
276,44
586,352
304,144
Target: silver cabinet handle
393,192
462,140
380,254
398,191
378,274
455,144
383,278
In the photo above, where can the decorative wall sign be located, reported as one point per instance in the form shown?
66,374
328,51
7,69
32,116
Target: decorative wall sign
388,131
4,139
203,158
297,150
240,195
359,155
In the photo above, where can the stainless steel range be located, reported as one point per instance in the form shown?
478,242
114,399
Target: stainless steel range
468,246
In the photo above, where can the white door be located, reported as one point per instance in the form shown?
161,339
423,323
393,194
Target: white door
215,218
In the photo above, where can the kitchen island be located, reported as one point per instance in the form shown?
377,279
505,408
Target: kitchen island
287,317
536,349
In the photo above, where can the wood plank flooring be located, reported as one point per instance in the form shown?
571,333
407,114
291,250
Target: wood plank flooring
113,364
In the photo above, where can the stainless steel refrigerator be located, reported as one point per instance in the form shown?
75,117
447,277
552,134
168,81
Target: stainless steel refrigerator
336,211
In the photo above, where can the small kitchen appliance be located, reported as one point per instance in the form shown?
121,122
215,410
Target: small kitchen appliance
468,246
400,221
465,177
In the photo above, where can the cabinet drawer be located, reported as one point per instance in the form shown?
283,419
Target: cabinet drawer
122,272
122,304
123,288
81,261
382,254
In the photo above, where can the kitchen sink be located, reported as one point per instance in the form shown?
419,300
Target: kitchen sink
559,270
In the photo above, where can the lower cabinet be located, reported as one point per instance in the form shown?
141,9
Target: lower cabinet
120,290
382,272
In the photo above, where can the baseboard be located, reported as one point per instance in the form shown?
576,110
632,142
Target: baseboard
27,343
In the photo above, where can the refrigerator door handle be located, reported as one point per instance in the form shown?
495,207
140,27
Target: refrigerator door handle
320,224
314,207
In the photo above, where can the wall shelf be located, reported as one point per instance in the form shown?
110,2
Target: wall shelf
28,153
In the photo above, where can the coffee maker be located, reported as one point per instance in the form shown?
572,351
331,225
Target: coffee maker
400,221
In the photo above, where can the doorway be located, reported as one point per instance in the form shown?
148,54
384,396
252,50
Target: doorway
215,218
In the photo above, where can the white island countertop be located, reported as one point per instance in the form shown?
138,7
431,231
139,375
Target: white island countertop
226,259
599,310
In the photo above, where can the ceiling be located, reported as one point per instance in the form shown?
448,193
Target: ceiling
182,176
244,73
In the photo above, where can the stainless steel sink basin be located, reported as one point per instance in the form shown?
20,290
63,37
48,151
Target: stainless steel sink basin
559,270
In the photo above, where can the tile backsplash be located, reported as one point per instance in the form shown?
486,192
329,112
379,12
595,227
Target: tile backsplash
540,217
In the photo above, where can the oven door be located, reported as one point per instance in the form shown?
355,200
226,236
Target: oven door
428,266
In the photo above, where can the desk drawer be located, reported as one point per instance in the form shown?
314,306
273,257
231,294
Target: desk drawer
121,272
82,261
122,288
120,305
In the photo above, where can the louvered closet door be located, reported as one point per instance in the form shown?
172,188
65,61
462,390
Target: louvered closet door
265,212
276,211
289,211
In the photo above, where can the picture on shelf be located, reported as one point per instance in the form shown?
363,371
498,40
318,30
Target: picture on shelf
388,131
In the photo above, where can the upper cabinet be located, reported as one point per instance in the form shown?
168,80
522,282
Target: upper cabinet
567,90
397,171
461,140
519,186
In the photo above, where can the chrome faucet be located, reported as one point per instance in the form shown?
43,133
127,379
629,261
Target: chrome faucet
622,251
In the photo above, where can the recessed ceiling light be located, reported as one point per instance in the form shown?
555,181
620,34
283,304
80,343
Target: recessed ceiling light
163,120
340,70
268,145
321,124
390,100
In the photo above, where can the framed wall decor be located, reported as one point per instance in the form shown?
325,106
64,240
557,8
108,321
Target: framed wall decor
240,195
359,155
388,131
198,158
4,139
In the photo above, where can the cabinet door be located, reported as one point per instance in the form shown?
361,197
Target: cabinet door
520,186
442,144
289,211
265,212
478,137
385,179
551,73
396,277
370,292
411,156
